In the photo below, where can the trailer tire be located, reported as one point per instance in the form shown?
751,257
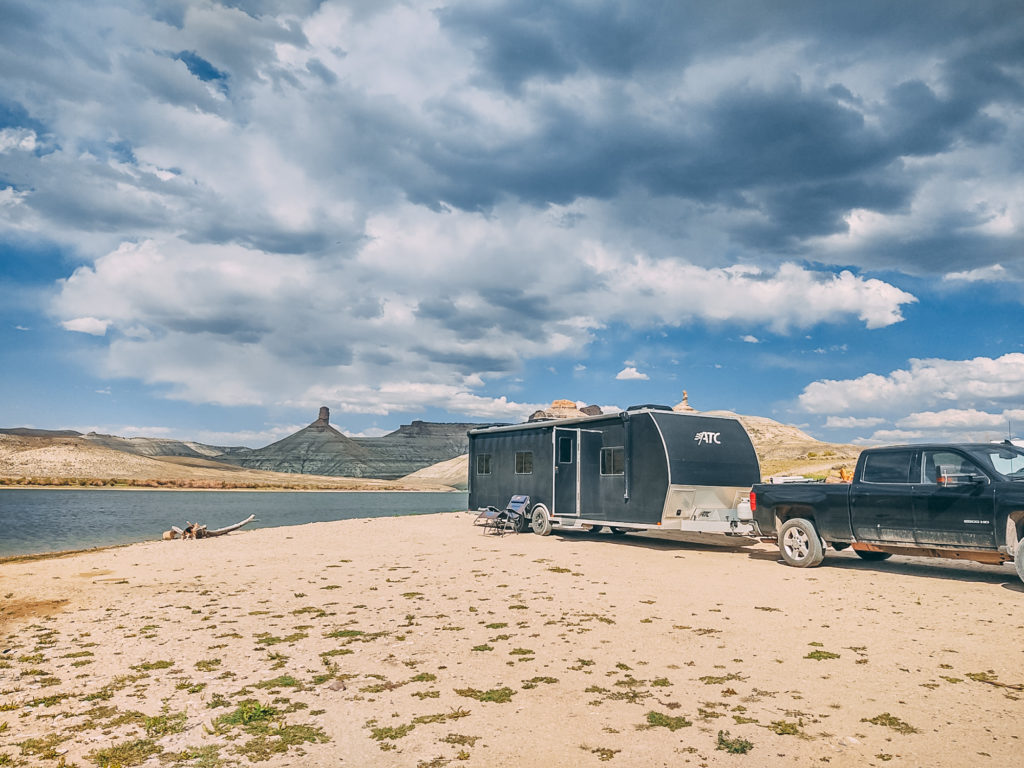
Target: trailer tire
871,556
539,521
618,531
800,544
1018,559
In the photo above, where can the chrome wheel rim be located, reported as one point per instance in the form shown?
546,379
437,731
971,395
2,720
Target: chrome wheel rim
797,544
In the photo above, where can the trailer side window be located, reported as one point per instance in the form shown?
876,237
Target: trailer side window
613,461
565,450
483,464
524,462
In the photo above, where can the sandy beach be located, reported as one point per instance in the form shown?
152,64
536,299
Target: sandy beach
420,641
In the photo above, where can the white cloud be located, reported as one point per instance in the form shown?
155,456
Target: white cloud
853,422
91,325
629,373
750,339
995,273
981,382
20,139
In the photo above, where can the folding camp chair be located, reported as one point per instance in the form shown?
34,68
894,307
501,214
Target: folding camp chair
502,521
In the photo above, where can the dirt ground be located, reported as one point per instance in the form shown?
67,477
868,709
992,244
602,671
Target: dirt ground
420,641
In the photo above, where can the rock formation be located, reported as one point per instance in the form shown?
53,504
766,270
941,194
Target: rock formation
320,449
564,409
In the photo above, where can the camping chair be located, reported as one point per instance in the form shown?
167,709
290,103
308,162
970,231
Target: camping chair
501,521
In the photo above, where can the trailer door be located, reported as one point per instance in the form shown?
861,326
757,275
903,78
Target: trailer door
577,456
567,473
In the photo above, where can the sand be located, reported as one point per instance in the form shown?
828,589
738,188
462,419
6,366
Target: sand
395,642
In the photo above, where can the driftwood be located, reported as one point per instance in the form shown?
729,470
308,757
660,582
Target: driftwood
197,531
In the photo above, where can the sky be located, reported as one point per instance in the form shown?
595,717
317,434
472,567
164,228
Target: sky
216,217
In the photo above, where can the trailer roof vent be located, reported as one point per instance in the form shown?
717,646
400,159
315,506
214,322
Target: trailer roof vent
649,407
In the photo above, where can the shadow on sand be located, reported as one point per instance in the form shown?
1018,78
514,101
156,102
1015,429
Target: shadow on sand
914,567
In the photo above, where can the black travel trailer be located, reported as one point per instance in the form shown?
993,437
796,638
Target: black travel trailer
646,468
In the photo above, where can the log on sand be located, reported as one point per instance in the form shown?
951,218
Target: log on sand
197,531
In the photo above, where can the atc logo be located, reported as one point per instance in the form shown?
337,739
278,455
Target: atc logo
708,438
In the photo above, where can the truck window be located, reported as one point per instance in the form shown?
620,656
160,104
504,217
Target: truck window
887,467
951,463
524,462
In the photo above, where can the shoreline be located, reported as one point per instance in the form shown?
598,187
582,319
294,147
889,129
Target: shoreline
406,641
436,489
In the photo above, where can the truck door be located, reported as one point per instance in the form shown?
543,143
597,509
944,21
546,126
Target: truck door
953,506
882,498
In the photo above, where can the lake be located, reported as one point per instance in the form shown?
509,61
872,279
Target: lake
33,521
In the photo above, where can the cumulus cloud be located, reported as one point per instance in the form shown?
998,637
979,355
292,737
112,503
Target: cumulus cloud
977,383
852,422
393,206
91,325
750,339
983,274
629,373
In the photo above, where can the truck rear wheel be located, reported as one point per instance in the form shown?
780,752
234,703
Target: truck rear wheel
1018,559
539,520
800,544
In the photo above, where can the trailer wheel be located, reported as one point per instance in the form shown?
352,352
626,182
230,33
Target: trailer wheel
619,531
539,520
800,544
872,557
1018,559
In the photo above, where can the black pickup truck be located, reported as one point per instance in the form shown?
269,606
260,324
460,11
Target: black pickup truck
963,501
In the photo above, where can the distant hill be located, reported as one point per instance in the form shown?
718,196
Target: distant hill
451,472
75,460
323,450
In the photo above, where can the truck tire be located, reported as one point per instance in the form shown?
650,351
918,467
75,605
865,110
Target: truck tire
539,520
1018,559
872,556
800,544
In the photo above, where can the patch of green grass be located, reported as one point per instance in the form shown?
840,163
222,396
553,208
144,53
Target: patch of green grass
265,638
44,747
784,728
126,754
737,746
821,655
719,679
891,721
277,741
282,681
167,723
497,625
460,741
426,694
48,701
391,732
534,681
423,677
660,720
484,647
195,757
246,713
207,665
495,695
521,652
149,666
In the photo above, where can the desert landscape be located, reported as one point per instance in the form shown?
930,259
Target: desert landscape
424,642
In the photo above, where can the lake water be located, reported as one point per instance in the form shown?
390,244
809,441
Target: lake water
34,521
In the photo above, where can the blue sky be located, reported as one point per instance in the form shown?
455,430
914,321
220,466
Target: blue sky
216,217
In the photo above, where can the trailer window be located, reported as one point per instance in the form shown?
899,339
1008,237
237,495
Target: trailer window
613,461
524,462
483,464
565,450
